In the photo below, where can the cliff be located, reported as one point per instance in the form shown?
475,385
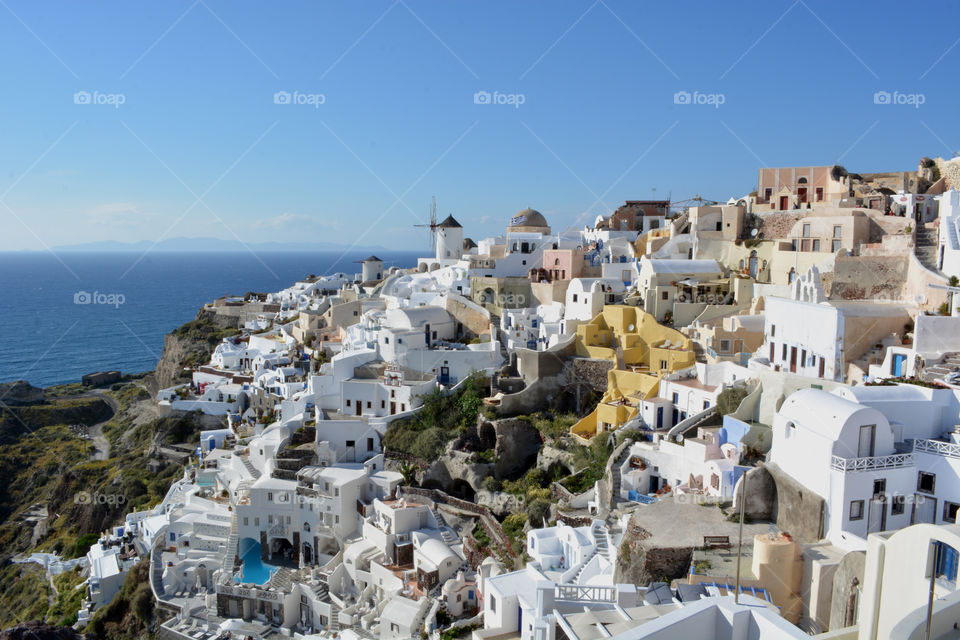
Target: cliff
191,345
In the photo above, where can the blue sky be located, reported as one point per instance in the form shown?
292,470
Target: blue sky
200,148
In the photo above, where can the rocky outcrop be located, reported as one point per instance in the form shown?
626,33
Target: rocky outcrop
19,392
193,342
457,473
500,504
640,563
36,630
517,445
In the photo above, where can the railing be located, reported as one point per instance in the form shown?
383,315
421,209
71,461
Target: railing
585,593
875,463
937,448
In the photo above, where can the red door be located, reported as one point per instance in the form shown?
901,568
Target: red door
784,203
793,359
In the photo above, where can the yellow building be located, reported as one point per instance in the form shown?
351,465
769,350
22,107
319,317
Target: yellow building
641,350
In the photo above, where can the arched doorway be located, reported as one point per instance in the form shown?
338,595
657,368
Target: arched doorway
753,264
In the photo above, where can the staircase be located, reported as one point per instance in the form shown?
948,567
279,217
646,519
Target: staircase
446,532
599,533
583,566
615,475
252,469
926,248
282,580
940,370
230,551
334,618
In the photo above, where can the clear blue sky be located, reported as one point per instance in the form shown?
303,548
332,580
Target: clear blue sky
598,123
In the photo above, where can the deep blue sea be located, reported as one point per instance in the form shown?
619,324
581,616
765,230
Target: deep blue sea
48,338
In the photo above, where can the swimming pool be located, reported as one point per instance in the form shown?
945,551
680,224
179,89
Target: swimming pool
253,569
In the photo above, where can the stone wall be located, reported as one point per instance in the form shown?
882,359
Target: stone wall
869,277
761,501
851,568
799,511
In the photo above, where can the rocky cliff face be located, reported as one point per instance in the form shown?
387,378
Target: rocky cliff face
640,562
191,343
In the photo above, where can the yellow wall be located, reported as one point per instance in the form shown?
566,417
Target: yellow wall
636,331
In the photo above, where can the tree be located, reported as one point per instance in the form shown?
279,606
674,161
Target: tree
538,513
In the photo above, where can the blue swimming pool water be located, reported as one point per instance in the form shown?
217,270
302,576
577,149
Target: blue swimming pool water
253,569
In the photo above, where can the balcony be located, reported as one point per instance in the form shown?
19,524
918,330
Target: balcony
875,463
937,448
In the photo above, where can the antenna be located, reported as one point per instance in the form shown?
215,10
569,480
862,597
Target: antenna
433,224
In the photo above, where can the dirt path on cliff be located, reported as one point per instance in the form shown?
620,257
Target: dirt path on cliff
100,442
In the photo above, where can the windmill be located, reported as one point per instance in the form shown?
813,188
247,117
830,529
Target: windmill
432,225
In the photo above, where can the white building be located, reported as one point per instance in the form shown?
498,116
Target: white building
877,455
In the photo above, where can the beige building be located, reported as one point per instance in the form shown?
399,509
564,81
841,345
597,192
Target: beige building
784,188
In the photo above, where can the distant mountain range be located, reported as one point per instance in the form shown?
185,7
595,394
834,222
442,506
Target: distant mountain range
207,245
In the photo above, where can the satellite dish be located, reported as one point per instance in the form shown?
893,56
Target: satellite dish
753,232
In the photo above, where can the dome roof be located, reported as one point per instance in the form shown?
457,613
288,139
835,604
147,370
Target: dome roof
528,218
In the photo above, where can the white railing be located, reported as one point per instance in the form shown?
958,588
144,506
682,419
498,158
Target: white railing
937,448
875,463
585,593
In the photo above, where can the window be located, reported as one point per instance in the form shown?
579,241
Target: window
256,522
574,297
784,351
493,603
348,403
767,193
368,404
856,509
945,561
369,444
837,231
926,482
665,295
950,512
816,245
773,330
383,404
724,346
897,505
246,521
806,230
835,246
706,405
879,489
270,519
819,193
270,497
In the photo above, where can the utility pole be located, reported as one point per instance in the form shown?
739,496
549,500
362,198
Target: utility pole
743,510
933,579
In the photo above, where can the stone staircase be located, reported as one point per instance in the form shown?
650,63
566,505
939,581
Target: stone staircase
939,370
600,539
926,248
615,475
282,580
583,567
446,532
230,551
252,469
334,618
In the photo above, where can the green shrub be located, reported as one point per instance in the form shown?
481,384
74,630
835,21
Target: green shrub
513,524
538,512
490,483
729,399
83,544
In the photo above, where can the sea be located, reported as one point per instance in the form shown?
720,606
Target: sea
69,314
